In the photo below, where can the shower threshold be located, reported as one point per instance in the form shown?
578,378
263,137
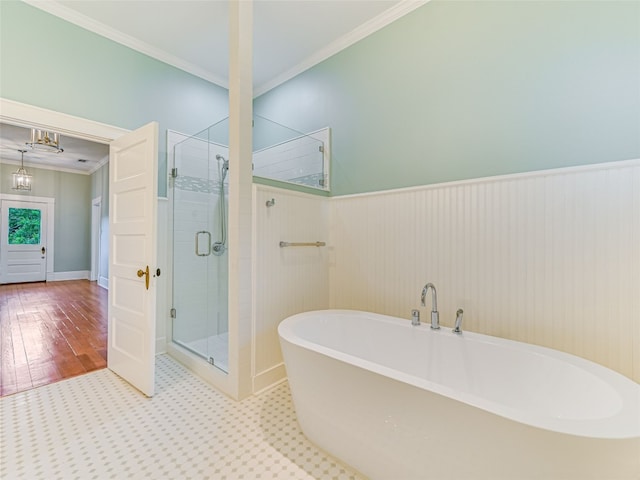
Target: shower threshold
214,349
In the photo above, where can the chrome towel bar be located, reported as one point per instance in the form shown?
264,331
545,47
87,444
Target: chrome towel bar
302,244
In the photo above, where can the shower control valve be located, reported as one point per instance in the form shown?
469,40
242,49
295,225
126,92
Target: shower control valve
218,248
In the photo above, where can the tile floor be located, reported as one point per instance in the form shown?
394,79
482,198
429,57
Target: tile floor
96,426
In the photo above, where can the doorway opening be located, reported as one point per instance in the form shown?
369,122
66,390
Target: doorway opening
53,327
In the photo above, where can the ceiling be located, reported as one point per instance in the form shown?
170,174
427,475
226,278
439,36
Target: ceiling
13,138
289,36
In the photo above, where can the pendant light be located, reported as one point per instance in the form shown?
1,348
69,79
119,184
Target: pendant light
45,141
21,178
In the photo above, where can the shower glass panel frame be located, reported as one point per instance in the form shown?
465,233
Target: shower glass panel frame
200,245
287,155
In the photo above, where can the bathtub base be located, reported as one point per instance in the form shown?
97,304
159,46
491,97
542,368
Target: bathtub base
387,429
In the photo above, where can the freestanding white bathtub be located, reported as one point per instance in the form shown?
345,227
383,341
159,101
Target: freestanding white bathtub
400,402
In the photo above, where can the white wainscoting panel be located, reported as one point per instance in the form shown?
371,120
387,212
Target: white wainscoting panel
550,258
286,280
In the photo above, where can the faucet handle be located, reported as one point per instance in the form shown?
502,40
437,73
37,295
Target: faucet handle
458,324
415,317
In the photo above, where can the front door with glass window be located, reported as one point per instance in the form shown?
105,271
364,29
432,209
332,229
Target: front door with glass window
24,243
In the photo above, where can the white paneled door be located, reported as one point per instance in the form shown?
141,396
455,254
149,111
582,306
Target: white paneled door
24,241
132,261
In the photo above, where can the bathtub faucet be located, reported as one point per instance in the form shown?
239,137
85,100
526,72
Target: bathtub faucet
435,321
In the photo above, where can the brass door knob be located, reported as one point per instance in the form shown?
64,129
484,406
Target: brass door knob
145,273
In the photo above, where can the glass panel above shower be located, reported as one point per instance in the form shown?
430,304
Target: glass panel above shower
282,153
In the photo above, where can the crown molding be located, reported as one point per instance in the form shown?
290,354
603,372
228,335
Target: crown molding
42,166
385,18
99,165
54,8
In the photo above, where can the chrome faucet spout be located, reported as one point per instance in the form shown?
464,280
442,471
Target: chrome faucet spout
435,320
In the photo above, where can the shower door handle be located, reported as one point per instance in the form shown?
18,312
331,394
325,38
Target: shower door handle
208,250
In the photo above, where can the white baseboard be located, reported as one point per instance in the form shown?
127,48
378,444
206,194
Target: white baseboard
61,276
161,345
269,377
104,282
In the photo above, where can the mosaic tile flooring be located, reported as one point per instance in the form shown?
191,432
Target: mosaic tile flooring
96,426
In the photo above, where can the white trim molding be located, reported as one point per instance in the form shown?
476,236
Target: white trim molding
399,10
63,276
30,116
103,282
71,15
41,166
96,214
385,18
500,178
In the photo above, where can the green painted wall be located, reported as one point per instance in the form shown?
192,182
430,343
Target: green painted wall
73,223
459,90
453,90
51,63
72,212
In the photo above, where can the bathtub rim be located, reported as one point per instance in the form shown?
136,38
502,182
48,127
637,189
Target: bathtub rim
624,424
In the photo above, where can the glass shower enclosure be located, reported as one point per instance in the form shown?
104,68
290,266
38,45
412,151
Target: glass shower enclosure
200,182
200,188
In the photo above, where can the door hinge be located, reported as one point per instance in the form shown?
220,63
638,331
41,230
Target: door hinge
172,312
174,172
321,148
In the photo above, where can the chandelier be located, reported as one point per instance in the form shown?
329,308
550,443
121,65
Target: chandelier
45,141
21,178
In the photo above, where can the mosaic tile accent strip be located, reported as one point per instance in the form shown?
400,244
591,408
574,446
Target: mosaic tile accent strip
195,184
97,426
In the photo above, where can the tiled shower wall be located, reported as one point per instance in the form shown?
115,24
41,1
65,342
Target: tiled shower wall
549,258
200,282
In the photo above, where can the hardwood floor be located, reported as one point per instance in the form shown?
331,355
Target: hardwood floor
50,331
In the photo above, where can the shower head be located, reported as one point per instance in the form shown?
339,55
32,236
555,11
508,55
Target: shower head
225,162
225,165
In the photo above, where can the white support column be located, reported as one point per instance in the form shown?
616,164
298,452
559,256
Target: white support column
240,203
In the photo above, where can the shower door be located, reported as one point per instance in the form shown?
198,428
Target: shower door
200,250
